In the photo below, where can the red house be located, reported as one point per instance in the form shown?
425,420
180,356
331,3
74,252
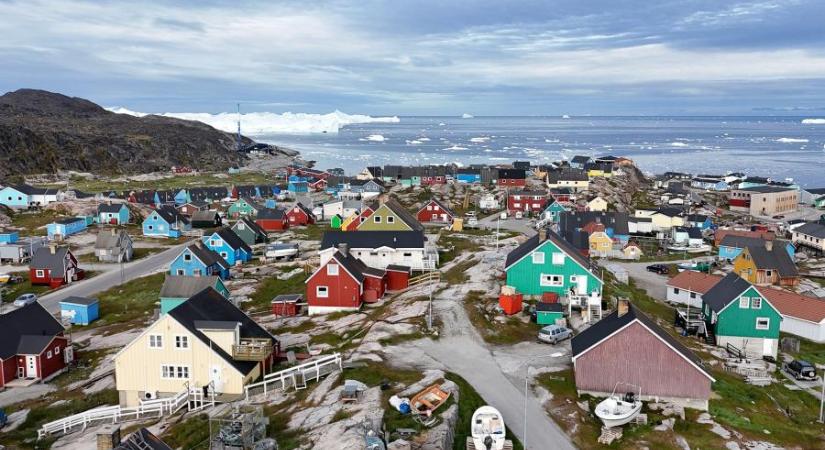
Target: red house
435,211
272,219
300,215
533,202
344,283
608,353
54,266
431,180
317,184
511,178
562,195
32,345
307,172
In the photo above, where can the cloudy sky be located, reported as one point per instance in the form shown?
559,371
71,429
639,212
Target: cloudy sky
488,57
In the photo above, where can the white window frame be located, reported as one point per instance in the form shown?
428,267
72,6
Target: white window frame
538,257
756,303
181,272
216,242
39,273
156,341
182,342
322,291
187,257
767,325
332,270
57,350
744,302
48,354
376,219
551,280
558,258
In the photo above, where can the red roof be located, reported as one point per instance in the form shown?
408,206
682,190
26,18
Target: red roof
693,281
795,305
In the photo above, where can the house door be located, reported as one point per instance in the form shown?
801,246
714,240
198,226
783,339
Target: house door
581,285
31,366
767,347
215,378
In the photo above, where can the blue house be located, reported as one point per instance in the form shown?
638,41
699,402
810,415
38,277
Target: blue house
298,186
699,221
228,245
113,214
15,196
731,246
65,227
197,261
468,176
182,197
80,310
166,222
9,238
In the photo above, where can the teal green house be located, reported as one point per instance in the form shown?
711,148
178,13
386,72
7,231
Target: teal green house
553,211
179,288
243,207
548,263
737,314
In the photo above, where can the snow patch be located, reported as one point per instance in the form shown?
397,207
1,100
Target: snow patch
813,121
258,123
786,140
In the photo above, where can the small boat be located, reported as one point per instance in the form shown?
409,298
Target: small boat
4,278
428,400
688,249
618,410
487,429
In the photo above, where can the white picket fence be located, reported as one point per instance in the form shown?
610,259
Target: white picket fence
296,376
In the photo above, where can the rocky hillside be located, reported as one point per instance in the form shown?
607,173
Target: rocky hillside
44,132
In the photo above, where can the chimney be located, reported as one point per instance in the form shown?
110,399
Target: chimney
343,248
542,234
108,437
623,306
52,249
769,246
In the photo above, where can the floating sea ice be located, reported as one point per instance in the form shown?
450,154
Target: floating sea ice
479,140
374,138
813,121
467,116
456,147
786,140
424,139
678,144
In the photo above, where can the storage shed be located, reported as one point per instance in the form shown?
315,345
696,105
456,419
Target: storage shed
549,313
398,277
79,310
287,304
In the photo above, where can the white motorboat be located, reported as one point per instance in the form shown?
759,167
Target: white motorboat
690,249
487,429
618,410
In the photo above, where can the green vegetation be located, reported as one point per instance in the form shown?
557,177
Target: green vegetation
12,291
311,232
278,429
192,433
641,200
456,274
511,331
455,244
98,184
271,287
810,351
132,301
469,401
29,222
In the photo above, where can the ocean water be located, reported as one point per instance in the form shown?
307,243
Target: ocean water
776,147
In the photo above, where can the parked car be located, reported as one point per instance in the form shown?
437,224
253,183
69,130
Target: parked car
553,334
801,370
25,299
470,214
519,215
661,269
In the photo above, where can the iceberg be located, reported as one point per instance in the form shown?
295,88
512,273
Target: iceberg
678,144
786,140
467,116
258,123
480,140
456,147
374,138
813,121
565,116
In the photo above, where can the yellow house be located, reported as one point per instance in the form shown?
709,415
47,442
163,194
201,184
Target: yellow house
765,265
600,244
347,223
391,216
632,251
575,180
204,343
597,204
662,219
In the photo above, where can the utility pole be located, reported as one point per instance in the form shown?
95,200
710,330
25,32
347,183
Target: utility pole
822,395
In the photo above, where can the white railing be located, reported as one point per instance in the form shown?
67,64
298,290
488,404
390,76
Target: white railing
296,376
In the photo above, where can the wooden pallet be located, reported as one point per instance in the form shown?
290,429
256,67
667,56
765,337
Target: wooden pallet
609,435
508,445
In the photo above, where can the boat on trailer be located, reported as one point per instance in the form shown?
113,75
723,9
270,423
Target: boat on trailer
618,410
487,429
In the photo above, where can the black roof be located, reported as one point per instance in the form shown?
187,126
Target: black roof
549,307
768,189
233,239
398,268
303,208
170,214
812,229
23,329
270,213
31,190
44,259
207,256
567,174
580,159
351,264
725,291
697,217
670,212
692,232
252,225
613,322
109,207
777,258
573,220
210,306
374,239
732,240
512,174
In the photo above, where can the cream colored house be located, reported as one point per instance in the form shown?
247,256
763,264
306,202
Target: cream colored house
663,219
206,342
597,204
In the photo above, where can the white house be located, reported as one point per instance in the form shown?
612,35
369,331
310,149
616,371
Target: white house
802,316
489,202
688,287
380,249
343,208
597,204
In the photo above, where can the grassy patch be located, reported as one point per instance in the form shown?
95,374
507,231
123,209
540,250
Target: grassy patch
279,430
271,287
192,433
469,401
311,232
12,291
132,301
810,351
99,184
510,331
456,274
31,221
455,245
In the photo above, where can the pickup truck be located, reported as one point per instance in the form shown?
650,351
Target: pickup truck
282,250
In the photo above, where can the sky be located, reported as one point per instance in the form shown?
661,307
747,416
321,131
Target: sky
423,57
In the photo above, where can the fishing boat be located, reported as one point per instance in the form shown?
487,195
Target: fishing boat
618,410
488,432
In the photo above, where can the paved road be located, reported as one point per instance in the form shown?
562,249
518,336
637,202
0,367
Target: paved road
112,277
523,226
651,282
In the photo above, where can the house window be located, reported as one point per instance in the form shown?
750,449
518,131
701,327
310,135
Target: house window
196,273
332,269
155,341
169,371
322,292
675,290
180,272
538,258
551,280
408,254
224,255
390,219
187,257
49,354
756,303
692,295
768,273
39,273
558,258
57,350
377,219
150,227
216,243
241,226
763,323
181,341
744,302
429,208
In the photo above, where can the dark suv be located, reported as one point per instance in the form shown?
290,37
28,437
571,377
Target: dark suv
801,370
661,269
